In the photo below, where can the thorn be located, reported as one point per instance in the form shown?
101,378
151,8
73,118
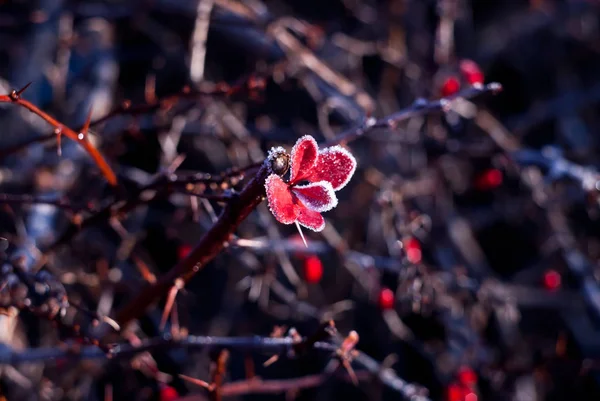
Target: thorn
351,372
170,301
271,361
58,132
16,95
197,382
86,126
495,87
301,234
112,323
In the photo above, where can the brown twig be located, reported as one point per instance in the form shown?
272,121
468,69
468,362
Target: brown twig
60,129
209,246
241,206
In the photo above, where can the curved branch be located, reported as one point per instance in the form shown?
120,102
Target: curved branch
60,129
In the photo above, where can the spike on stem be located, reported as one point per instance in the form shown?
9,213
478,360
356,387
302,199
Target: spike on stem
86,126
16,95
301,234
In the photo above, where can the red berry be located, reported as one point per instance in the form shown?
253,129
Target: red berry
489,179
412,247
450,86
456,392
386,299
313,269
168,393
467,376
552,280
183,251
471,71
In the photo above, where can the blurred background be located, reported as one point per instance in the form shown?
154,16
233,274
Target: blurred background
464,252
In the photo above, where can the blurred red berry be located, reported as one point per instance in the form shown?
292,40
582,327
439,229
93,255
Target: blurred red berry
183,251
313,269
467,376
450,86
168,393
489,179
386,299
552,280
412,247
456,392
471,72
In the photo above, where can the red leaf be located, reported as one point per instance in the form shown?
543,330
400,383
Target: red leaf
335,165
317,196
310,219
303,158
280,199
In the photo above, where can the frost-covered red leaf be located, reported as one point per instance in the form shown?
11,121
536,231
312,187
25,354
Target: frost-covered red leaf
326,171
335,165
304,156
280,200
311,219
318,196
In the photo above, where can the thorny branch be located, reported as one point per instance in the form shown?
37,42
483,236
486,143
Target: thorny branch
15,97
236,210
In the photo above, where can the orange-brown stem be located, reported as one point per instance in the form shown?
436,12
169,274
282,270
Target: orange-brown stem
209,246
15,97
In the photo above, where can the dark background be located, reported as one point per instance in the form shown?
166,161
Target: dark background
483,298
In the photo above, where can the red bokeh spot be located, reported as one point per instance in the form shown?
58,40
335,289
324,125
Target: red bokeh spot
313,269
489,179
183,251
467,376
412,247
450,86
471,72
552,280
386,299
168,393
456,392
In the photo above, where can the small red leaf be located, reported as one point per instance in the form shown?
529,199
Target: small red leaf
310,219
335,165
280,199
303,158
318,196
313,269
